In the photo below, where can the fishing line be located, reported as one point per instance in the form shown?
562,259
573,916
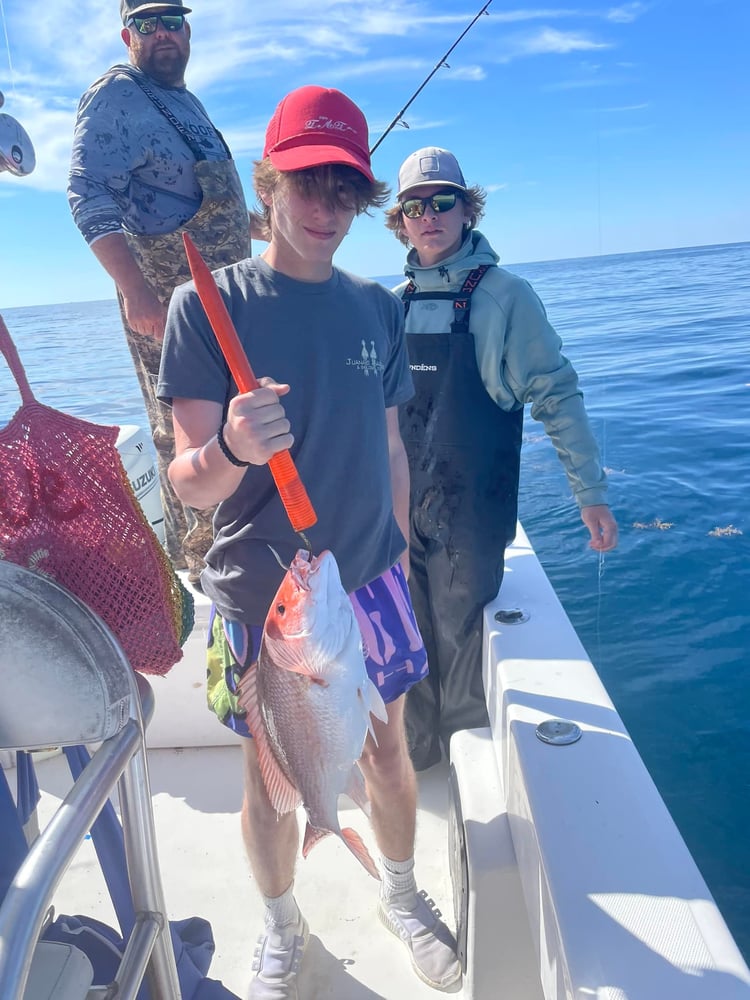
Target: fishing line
7,47
600,572
599,595
599,178
440,63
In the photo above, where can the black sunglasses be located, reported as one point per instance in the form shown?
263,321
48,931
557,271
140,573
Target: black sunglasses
414,208
148,25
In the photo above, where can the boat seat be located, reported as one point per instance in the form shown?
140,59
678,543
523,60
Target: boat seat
65,681
58,972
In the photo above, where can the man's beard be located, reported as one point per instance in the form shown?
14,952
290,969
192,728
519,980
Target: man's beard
166,64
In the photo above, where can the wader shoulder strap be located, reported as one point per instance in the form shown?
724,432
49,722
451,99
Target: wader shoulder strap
461,299
175,122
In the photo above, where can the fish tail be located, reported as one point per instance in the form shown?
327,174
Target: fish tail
312,836
356,845
352,840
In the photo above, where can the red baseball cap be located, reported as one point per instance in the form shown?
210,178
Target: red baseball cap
314,126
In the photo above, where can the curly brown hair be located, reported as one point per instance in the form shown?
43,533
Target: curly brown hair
474,197
336,184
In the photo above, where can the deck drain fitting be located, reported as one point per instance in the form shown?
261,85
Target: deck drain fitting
558,732
511,616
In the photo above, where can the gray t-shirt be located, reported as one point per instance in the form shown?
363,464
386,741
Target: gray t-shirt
341,347
130,167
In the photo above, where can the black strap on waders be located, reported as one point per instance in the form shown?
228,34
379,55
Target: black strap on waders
461,299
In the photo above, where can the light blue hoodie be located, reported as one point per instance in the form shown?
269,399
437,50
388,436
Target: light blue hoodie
518,354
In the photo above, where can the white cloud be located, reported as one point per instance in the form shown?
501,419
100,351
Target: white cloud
421,125
474,74
550,40
625,107
582,84
377,68
624,130
626,13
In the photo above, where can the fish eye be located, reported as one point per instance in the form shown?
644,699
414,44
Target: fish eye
281,609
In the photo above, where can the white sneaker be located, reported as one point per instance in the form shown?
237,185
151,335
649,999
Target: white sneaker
276,962
431,945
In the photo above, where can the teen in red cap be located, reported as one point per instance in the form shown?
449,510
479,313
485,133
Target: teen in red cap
332,346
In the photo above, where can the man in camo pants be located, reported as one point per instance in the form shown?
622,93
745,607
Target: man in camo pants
148,165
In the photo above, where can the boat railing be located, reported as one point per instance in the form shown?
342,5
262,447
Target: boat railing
64,681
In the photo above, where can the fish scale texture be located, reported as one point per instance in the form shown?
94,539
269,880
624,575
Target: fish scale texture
315,735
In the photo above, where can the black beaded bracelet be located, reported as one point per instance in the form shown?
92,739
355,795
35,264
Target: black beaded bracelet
228,454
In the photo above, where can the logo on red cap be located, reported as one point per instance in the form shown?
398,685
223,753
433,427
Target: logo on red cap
324,122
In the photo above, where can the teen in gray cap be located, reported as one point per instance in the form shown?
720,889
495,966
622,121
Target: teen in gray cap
147,165
430,165
480,347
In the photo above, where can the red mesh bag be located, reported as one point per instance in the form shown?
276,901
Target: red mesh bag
67,510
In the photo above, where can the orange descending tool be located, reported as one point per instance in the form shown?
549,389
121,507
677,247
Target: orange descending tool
293,494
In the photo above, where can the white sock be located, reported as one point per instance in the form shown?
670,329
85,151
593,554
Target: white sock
398,881
281,910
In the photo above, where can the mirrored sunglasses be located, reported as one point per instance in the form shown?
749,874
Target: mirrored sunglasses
148,25
414,208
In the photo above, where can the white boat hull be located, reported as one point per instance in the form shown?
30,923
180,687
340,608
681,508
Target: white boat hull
614,903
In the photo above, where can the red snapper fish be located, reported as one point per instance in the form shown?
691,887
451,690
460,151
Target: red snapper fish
309,701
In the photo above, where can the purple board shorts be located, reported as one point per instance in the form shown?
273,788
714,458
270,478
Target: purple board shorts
394,652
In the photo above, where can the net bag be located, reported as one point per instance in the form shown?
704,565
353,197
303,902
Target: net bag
67,510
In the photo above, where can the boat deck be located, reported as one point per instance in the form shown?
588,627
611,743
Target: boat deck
570,875
197,795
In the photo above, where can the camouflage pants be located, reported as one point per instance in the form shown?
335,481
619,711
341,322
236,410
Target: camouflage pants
188,532
220,230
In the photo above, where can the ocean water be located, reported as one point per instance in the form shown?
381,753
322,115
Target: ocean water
660,341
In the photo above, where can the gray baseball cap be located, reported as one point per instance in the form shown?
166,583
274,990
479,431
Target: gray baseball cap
130,8
430,165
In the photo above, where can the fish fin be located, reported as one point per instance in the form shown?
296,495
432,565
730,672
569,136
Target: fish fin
373,704
357,790
356,845
284,656
282,794
312,836
376,706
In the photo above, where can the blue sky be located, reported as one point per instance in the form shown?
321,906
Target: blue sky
594,128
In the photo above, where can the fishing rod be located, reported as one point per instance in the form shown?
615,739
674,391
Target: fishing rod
293,495
440,63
